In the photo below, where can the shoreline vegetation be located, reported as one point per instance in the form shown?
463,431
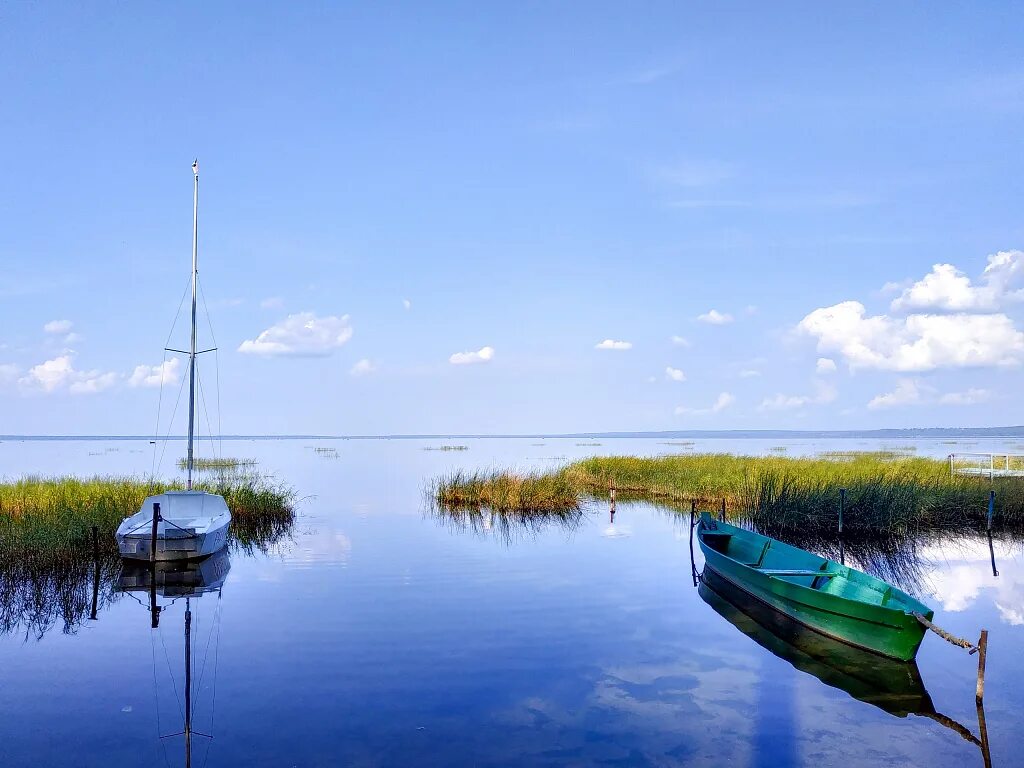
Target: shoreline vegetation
50,571
50,519
886,492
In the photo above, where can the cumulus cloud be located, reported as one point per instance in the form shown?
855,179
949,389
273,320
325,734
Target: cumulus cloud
723,401
60,374
612,344
58,326
362,367
825,366
680,341
675,374
947,289
714,317
155,375
916,342
482,355
907,392
301,335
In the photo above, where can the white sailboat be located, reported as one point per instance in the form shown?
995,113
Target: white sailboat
179,525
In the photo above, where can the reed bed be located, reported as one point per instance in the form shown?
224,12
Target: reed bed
215,463
886,493
45,519
446,448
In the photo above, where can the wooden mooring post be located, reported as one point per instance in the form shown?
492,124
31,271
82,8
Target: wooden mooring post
842,505
991,510
611,494
979,693
152,537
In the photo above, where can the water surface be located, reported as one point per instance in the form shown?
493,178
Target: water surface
379,634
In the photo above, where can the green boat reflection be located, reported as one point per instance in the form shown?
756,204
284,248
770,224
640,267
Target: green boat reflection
892,685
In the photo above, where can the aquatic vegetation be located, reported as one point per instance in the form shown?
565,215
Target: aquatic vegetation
44,519
886,493
446,448
507,525
587,445
215,463
526,492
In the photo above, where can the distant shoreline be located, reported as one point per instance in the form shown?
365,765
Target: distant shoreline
747,434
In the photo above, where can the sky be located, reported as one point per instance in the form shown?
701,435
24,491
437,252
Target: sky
513,217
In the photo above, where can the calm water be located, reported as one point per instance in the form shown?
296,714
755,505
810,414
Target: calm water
380,635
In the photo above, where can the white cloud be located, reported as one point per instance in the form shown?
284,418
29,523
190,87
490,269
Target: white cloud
363,367
58,326
907,392
155,375
482,355
714,317
59,374
272,302
916,342
947,289
970,397
675,374
407,304
612,344
723,401
825,366
301,335
680,341
824,393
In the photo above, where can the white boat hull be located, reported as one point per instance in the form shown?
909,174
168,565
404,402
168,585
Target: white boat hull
192,525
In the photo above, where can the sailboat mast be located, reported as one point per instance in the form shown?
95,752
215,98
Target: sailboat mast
192,347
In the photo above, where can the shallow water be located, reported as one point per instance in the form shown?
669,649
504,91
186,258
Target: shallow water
381,635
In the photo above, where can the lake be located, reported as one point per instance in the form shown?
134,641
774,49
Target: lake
381,634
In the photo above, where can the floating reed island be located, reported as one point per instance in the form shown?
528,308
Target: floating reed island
219,462
885,492
49,519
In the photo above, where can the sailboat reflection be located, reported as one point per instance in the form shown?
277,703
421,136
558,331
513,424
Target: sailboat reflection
174,580
893,686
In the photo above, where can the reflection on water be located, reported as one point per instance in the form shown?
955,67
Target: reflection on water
175,581
893,686
39,595
510,526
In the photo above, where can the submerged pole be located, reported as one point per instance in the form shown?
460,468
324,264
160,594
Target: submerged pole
192,346
95,572
979,693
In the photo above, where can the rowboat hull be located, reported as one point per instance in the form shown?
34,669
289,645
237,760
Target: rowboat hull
891,631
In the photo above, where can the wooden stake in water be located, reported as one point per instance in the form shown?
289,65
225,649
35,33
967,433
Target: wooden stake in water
991,510
152,536
979,693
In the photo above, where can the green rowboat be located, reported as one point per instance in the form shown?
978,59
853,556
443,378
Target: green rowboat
835,600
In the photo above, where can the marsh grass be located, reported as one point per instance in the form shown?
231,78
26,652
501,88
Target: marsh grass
446,448
886,493
46,520
215,463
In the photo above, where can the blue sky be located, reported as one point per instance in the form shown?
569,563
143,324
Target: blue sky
429,219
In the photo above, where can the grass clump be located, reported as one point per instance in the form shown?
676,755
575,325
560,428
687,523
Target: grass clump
446,448
215,463
505,491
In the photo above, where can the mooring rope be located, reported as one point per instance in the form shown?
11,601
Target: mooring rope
947,636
